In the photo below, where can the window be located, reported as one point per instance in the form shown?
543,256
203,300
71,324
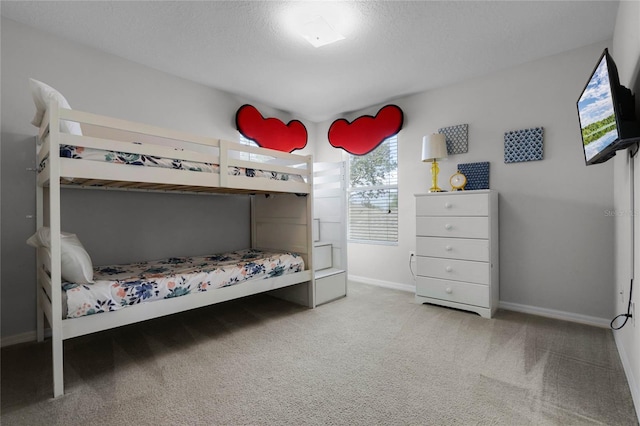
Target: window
246,141
373,194
248,156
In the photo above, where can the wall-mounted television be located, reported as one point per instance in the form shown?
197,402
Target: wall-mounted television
606,111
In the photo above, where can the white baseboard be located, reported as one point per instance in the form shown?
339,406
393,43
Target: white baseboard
552,313
386,284
29,336
526,309
628,372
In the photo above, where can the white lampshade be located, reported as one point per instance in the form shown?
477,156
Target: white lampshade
434,146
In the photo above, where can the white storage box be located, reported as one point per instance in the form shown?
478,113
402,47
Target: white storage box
322,256
331,287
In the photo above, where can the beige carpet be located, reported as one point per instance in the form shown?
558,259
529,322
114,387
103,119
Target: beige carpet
373,358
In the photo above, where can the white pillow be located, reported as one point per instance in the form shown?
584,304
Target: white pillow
76,263
43,94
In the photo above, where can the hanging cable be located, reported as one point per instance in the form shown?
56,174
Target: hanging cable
410,268
632,205
628,314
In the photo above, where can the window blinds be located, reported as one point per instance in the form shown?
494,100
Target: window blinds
373,194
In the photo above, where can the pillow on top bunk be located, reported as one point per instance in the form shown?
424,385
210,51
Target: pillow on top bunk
43,94
76,263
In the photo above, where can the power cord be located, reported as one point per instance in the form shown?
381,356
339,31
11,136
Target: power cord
628,314
410,268
632,153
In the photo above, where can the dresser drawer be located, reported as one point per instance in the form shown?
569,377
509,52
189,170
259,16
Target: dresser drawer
458,227
453,248
453,205
453,269
469,294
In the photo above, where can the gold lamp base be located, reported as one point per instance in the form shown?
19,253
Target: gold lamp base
434,177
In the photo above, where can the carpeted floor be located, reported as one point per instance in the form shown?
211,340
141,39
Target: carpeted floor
373,358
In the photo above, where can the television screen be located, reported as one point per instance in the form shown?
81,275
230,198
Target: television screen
596,109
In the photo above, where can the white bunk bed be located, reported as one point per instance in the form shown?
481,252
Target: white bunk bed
281,220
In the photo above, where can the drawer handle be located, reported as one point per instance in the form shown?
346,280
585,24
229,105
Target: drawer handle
447,205
448,290
448,248
448,227
448,269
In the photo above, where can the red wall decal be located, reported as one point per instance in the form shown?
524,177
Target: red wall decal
365,133
270,132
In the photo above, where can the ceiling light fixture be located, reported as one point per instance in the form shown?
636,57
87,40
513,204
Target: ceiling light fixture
319,33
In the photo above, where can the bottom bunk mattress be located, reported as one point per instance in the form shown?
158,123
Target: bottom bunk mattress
119,286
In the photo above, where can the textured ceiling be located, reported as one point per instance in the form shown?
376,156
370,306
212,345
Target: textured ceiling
392,48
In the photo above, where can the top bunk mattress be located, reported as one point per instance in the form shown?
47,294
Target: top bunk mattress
119,286
117,157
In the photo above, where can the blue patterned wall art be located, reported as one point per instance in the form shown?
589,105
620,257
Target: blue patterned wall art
457,138
477,175
523,145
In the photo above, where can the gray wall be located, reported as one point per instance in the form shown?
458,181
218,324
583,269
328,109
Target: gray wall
556,243
114,226
626,53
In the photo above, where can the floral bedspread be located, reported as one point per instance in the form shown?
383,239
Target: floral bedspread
119,286
78,152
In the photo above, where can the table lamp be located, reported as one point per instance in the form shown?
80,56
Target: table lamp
434,147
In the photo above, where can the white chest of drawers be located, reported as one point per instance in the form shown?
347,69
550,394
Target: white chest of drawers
457,250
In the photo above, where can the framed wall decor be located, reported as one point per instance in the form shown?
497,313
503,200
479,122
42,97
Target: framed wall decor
457,138
477,175
524,145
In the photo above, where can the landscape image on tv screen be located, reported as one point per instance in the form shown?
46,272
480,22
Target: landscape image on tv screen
597,118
